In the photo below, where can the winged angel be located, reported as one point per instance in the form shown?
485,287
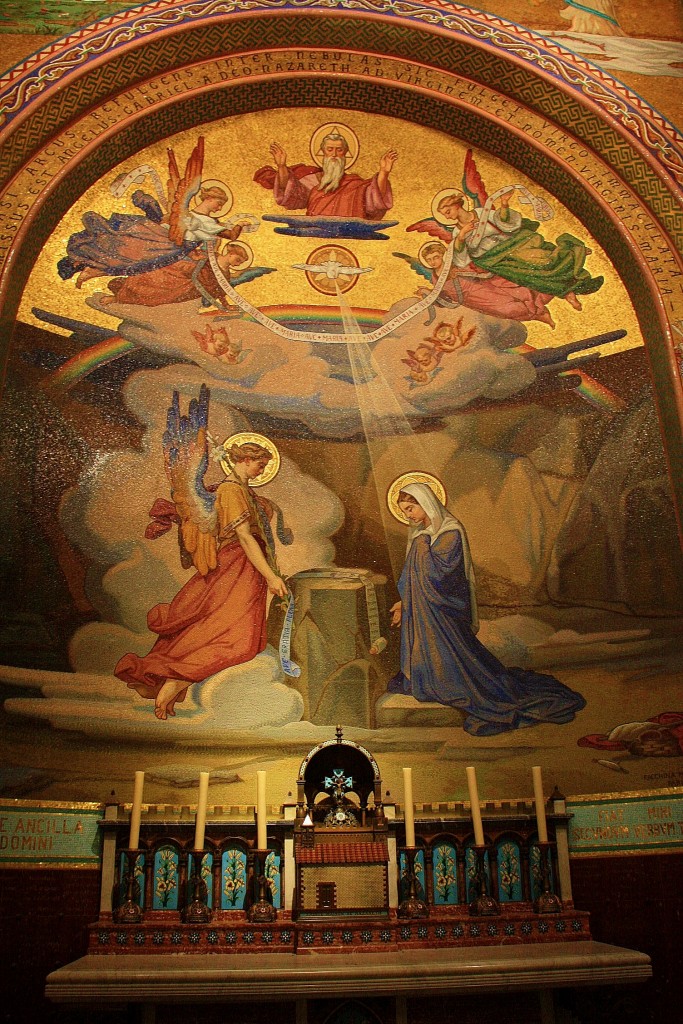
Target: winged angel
159,256
218,618
501,264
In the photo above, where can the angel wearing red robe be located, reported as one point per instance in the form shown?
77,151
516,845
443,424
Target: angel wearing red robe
218,618
501,264
159,256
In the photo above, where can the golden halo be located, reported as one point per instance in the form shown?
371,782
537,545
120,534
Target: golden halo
420,255
246,437
222,245
468,204
217,183
343,129
412,478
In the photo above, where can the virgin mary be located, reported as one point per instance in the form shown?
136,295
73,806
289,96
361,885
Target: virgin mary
441,658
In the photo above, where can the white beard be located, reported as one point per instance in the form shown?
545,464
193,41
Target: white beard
333,170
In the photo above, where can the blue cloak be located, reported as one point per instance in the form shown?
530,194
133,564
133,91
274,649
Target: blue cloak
442,660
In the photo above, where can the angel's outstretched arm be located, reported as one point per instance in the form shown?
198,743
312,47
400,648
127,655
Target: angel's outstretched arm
250,546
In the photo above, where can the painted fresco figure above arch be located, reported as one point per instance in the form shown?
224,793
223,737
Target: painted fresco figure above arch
327,189
441,659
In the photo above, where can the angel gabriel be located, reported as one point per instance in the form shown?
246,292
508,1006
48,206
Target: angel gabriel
501,264
158,255
218,618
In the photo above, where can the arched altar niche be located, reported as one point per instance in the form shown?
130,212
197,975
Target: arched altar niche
359,771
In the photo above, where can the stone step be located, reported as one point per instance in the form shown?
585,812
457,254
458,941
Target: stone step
397,710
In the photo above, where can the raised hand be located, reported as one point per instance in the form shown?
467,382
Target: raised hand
388,160
278,154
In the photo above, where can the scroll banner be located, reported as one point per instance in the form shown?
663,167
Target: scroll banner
378,643
330,339
289,667
49,835
638,823
120,185
542,210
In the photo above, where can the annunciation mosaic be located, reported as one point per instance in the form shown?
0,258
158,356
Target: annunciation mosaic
315,417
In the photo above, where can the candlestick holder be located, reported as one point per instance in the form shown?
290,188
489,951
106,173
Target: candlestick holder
483,903
197,910
547,902
412,906
261,910
130,912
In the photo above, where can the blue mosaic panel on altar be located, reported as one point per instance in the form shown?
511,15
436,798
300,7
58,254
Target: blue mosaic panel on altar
233,878
165,878
509,867
444,874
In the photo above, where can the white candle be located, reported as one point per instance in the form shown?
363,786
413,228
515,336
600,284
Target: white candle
540,804
408,811
136,811
476,809
200,820
261,822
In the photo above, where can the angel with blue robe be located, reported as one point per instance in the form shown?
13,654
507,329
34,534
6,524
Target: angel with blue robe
442,660
159,256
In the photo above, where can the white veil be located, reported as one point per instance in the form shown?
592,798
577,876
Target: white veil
443,521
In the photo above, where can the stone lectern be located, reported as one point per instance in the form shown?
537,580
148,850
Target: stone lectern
337,642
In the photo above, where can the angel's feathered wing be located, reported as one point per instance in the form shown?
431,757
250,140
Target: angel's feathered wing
251,274
415,265
472,184
181,190
432,227
186,459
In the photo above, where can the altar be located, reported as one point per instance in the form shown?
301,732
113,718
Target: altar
340,895
148,981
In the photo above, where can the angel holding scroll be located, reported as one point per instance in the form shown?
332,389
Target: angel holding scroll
159,255
501,265
218,618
